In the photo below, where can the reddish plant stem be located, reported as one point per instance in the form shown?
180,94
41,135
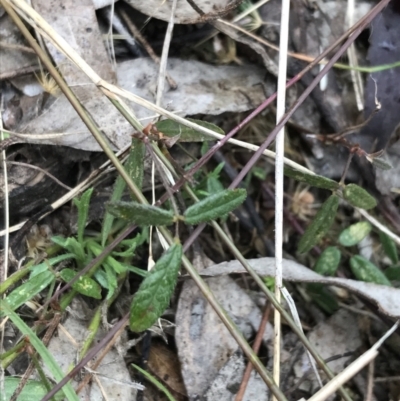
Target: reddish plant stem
256,348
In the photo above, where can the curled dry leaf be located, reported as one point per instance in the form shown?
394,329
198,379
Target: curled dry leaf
387,299
165,365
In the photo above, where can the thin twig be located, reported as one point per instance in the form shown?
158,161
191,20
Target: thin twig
138,35
256,348
370,382
91,354
164,55
104,352
352,369
4,267
353,62
207,17
31,166
279,177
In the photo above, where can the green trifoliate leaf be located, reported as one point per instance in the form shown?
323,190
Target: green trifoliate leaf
215,206
155,292
320,225
28,290
328,262
355,233
389,247
314,180
358,197
84,285
171,128
142,215
365,270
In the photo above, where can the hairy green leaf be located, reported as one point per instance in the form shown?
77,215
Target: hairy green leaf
83,210
328,262
365,270
171,128
134,166
389,247
142,215
28,290
215,206
314,180
155,292
358,197
84,285
320,225
355,233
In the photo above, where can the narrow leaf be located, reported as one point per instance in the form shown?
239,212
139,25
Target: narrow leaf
365,270
83,210
328,262
44,353
84,285
389,247
142,215
381,163
155,382
358,197
215,206
314,180
155,292
28,290
355,233
73,246
214,185
111,280
134,166
171,128
320,225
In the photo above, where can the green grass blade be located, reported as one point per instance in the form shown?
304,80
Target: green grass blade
44,353
154,381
